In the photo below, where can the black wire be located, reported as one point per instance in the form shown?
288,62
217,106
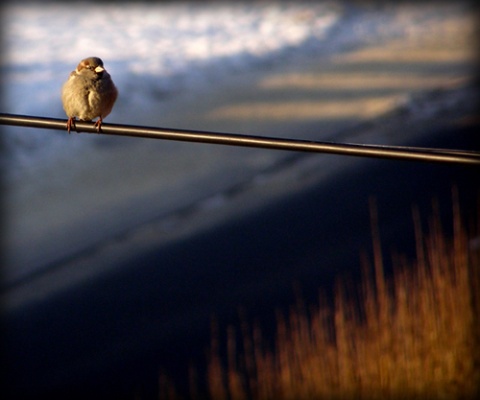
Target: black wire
361,150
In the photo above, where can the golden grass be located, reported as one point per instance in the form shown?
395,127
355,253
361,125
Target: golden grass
415,335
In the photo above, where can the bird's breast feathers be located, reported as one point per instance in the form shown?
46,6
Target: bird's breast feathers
87,98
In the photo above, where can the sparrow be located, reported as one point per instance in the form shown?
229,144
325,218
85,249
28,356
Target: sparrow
88,93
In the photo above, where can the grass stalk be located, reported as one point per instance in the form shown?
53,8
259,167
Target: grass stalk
412,335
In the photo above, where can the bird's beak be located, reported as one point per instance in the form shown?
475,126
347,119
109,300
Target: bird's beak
99,69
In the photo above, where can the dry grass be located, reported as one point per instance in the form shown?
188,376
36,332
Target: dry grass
415,335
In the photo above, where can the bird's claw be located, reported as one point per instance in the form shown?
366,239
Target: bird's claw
98,125
71,124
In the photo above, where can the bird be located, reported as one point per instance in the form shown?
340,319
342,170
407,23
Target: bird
88,93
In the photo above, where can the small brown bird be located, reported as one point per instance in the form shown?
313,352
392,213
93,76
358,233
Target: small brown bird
88,93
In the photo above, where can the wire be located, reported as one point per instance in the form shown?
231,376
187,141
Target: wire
361,150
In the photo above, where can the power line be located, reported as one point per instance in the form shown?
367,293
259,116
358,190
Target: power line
360,150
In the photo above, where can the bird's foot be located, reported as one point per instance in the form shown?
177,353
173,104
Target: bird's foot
71,124
98,124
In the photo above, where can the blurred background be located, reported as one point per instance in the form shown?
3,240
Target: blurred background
117,252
